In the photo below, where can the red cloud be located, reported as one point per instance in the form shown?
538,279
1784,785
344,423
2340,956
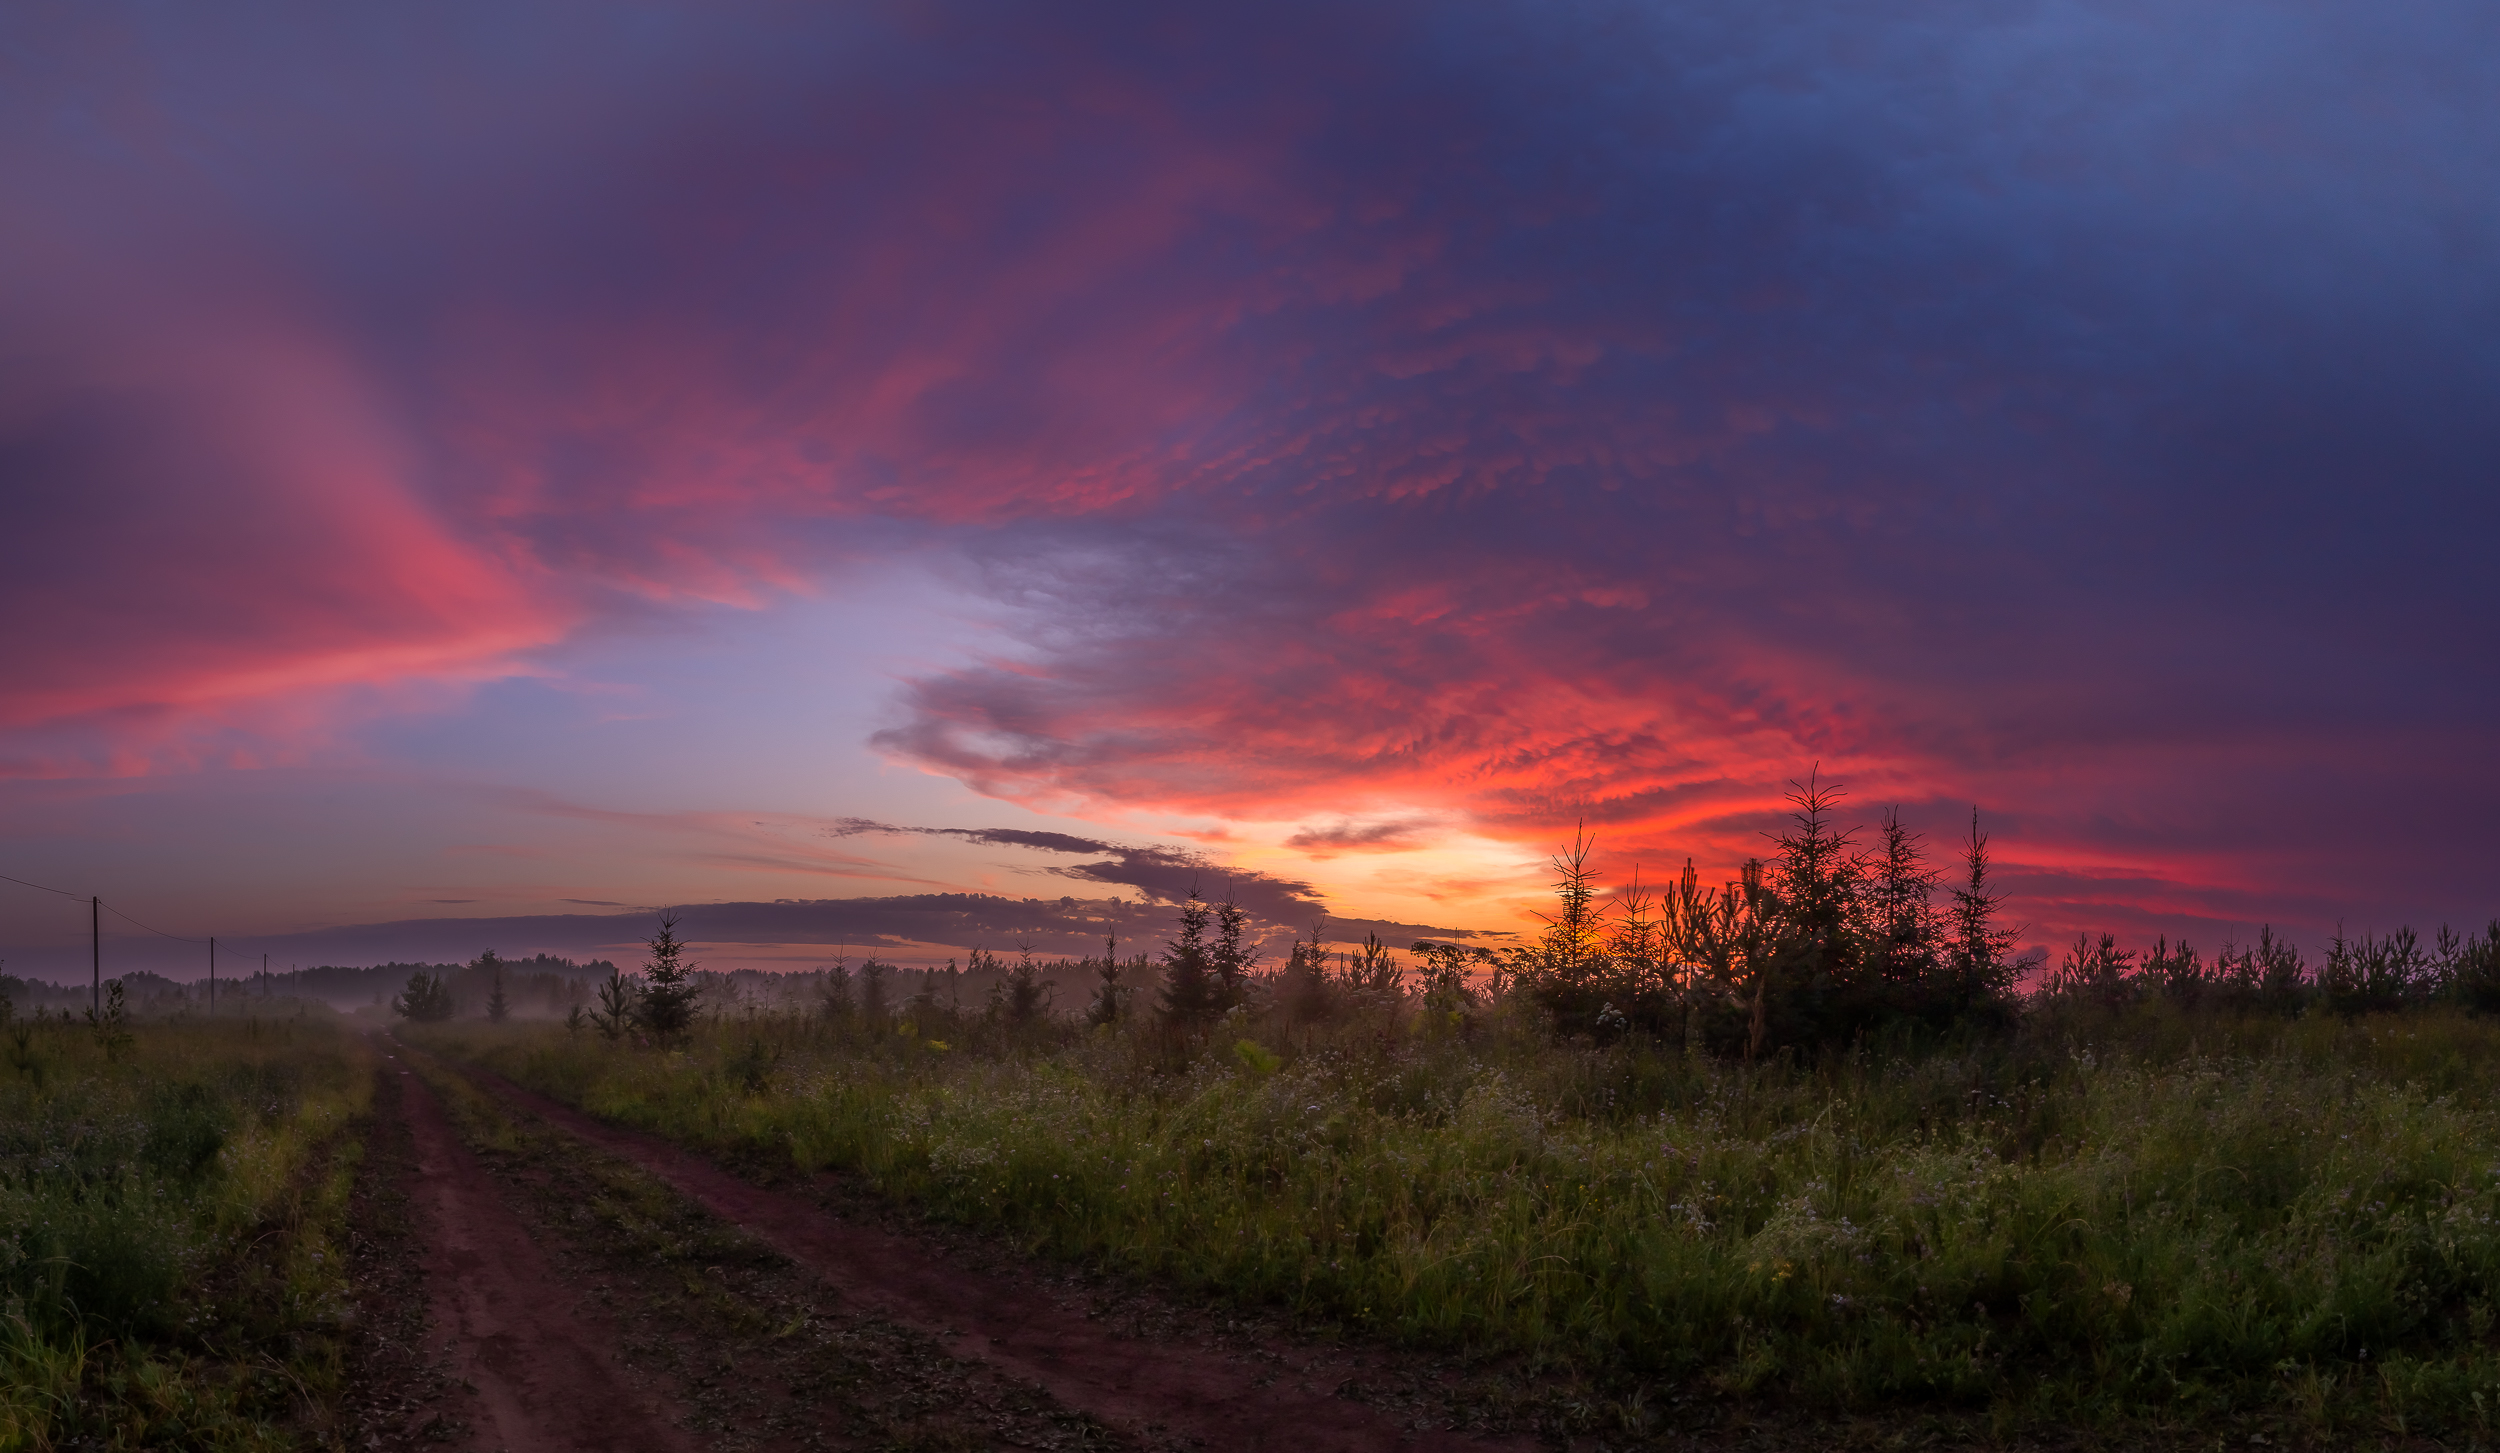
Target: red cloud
1557,421
232,540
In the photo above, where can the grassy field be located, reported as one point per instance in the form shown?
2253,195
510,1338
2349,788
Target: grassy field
2096,1218
170,1200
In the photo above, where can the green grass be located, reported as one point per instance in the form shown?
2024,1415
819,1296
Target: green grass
2160,1217
170,1274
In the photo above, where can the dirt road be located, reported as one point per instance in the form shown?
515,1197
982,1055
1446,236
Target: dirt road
542,1366
601,1289
1251,1401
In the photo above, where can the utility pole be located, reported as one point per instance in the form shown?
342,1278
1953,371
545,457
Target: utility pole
264,976
95,950
212,975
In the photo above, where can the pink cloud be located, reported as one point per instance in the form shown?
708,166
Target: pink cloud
1550,422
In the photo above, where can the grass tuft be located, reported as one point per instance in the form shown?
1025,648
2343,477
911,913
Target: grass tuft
169,1207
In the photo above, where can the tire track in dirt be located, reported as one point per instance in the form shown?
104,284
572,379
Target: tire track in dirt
1224,1403
541,1370
401,1395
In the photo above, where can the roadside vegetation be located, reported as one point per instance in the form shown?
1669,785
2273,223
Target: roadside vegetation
1798,1140
172,1201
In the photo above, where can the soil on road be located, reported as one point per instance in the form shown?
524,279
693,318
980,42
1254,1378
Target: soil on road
541,1369
587,1287
1240,1395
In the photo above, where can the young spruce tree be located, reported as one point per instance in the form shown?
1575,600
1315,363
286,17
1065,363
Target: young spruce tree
668,987
1189,984
1229,959
1903,950
1023,997
1820,880
1305,988
1110,1003
498,1008
1977,952
839,1002
873,996
619,1005
426,1000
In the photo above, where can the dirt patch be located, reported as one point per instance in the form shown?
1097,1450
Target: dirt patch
1134,1366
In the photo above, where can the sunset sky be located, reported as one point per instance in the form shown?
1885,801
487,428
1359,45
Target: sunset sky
517,460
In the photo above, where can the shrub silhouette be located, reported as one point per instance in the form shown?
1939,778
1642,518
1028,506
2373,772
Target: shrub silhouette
426,1000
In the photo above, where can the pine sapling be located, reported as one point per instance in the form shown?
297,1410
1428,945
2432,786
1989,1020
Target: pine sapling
873,1002
668,987
1305,985
1231,961
1977,950
619,1006
1110,1003
426,1000
498,1008
1027,998
1189,989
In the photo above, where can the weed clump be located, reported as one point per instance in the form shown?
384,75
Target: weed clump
170,1208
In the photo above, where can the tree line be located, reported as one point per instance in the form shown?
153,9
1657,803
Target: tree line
1831,936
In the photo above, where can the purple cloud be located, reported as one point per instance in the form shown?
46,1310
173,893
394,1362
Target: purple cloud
1351,414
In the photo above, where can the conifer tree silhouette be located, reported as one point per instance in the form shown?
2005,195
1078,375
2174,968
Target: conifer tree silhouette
1228,959
1977,952
1110,1002
498,1008
1189,985
668,989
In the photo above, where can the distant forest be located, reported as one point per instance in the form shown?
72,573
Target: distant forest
1834,935
541,977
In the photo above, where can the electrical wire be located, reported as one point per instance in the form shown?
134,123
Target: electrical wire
160,933
64,892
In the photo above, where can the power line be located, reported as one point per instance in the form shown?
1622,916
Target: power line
160,933
64,892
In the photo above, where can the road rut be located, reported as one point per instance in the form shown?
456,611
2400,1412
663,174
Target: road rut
544,1379
1286,1399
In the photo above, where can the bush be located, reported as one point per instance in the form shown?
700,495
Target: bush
426,1000
2476,977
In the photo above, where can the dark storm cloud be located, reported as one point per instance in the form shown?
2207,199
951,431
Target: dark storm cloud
915,927
1169,875
1049,842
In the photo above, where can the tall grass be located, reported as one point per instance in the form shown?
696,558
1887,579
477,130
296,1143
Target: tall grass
2151,1212
169,1273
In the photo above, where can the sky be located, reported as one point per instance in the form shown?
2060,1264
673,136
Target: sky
479,473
